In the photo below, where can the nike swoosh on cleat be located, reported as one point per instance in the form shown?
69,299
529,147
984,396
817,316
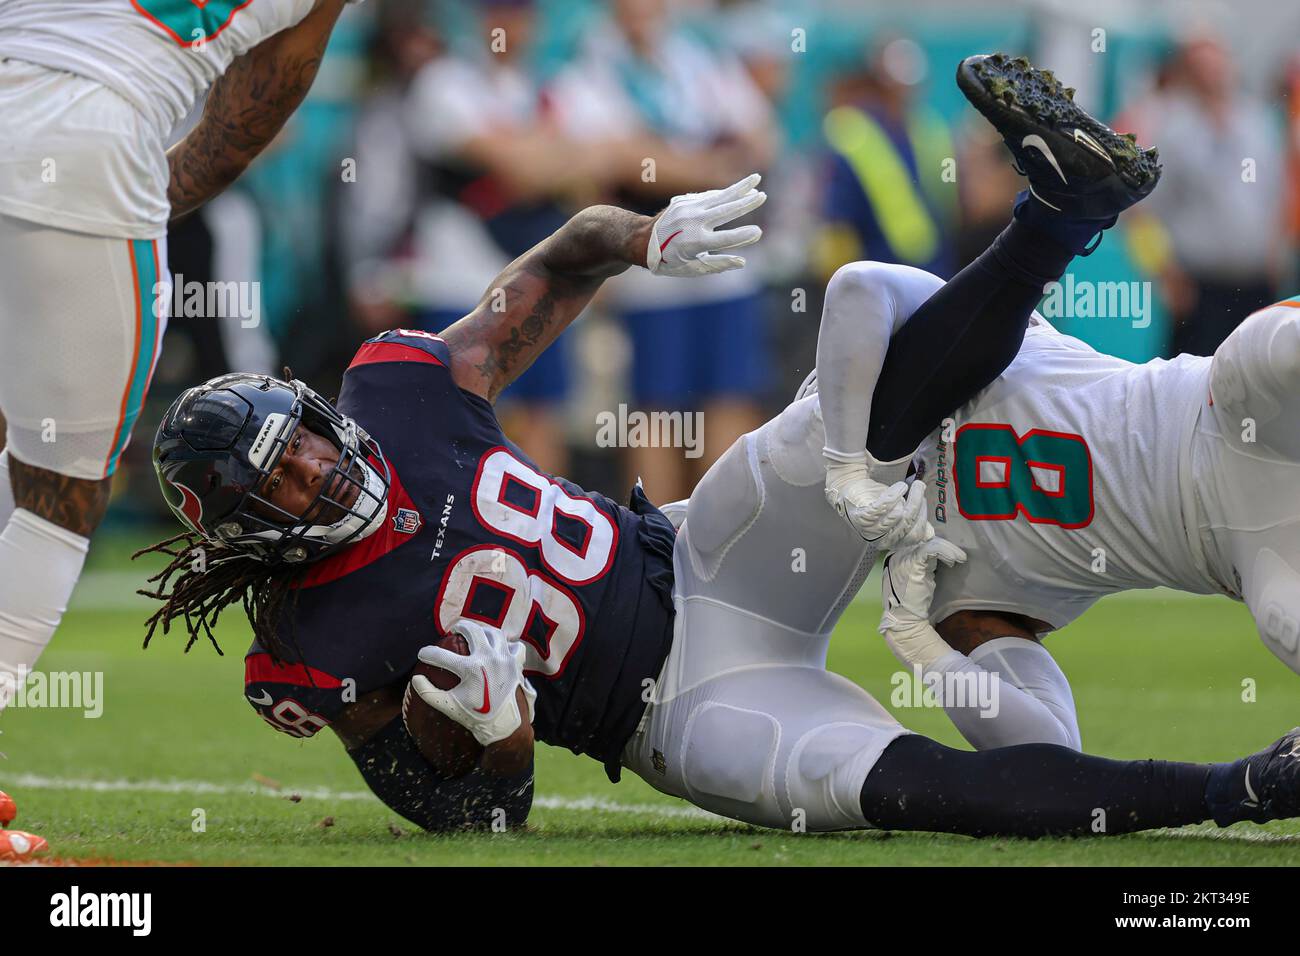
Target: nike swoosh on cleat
1254,800
1081,137
1042,200
487,699
1036,141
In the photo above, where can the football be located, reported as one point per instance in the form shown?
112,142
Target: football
448,746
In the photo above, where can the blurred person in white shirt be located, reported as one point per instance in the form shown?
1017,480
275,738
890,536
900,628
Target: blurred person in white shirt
495,176
1221,200
688,116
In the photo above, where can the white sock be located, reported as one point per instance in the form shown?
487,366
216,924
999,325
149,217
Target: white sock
39,566
6,491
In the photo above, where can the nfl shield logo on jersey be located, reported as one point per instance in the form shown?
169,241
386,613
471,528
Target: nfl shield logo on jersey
407,521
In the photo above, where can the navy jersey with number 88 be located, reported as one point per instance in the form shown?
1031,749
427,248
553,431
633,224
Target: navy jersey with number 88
474,530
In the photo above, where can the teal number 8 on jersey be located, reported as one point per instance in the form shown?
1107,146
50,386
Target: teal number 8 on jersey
1044,476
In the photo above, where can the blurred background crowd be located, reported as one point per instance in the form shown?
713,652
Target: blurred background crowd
442,139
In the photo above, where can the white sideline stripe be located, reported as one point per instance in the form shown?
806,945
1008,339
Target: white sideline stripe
589,804
203,787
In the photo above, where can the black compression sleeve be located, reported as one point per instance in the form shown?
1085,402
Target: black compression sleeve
1031,790
391,764
960,339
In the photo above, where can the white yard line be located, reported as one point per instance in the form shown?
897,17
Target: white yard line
588,804
203,787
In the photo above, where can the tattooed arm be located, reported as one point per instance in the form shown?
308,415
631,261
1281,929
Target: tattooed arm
541,292
247,106
535,298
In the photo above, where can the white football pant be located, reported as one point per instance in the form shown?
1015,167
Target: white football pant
746,721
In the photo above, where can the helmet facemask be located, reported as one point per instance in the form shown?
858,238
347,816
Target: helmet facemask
349,506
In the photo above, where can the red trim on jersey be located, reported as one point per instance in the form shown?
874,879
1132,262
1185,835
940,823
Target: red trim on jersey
259,668
1004,461
1059,470
192,42
373,352
369,549
475,583
542,652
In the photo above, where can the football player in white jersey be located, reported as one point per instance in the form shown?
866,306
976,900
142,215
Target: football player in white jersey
90,91
1075,475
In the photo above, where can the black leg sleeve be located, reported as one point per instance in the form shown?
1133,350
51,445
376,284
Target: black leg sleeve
1032,790
397,773
961,339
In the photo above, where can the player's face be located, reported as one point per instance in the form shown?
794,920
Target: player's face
305,467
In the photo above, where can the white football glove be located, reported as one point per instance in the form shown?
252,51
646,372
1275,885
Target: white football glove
907,586
888,516
484,700
683,240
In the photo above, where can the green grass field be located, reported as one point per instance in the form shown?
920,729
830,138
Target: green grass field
1153,675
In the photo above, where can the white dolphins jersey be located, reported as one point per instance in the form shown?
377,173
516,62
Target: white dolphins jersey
97,87
162,55
1068,479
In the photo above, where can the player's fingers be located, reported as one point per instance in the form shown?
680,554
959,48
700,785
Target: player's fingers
435,697
914,517
915,502
716,263
952,554
738,189
941,549
447,659
906,564
517,652
735,238
735,208
887,501
472,631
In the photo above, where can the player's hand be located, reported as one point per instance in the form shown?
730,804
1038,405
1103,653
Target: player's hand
685,240
907,586
484,701
888,516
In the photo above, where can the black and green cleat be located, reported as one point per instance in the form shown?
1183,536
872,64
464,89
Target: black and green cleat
1075,164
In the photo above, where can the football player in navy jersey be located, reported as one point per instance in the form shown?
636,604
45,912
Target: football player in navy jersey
360,534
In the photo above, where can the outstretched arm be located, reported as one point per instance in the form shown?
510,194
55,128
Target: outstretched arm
536,297
246,108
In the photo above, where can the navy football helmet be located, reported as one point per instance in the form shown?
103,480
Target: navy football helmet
220,440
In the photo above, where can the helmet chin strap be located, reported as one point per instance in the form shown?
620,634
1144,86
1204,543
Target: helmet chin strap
371,505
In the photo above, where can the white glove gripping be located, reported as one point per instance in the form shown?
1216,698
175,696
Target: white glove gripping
907,586
484,700
683,241
888,516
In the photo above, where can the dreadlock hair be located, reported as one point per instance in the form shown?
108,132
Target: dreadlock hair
191,589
